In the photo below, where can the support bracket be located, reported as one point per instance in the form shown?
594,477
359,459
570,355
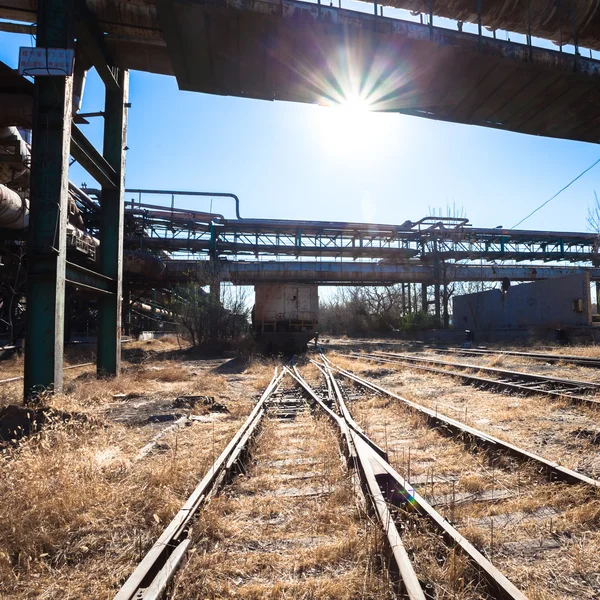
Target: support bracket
91,160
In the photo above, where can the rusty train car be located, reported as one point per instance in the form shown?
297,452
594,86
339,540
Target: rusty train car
285,317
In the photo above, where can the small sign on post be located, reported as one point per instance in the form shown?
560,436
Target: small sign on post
46,61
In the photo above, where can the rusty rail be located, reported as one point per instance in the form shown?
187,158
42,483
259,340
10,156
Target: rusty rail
359,451
152,575
387,488
20,377
436,419
573,359
527,384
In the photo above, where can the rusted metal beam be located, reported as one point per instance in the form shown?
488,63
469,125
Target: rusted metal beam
111,227
47,239
91,40
91,160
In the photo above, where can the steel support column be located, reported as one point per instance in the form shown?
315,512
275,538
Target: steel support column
46,247
424,300
111,227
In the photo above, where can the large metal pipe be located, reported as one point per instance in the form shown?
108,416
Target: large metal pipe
14,210
356,273
142,265
13,169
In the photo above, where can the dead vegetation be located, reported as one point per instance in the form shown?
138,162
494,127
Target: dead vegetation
77,509
556,429
526,525
290,529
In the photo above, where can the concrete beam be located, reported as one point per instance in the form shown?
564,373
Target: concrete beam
355,273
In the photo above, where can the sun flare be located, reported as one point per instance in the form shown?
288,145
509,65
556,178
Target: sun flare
348,126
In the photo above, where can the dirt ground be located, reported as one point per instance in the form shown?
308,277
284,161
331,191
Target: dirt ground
79,502
84,498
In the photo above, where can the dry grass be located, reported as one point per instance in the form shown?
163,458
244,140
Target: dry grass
76,509
257,542
538,513
167,375
558,430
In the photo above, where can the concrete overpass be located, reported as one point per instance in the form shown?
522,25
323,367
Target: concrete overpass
306,52
357,273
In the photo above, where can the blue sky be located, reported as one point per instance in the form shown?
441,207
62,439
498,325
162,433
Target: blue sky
296,161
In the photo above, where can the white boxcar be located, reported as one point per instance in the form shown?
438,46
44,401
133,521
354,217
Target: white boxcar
285,316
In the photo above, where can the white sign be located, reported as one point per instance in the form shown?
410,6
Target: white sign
46,61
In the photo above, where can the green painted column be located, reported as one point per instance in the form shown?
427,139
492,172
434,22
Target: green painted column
46,243
111,228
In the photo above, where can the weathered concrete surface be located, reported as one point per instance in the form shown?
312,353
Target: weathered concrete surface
306,52
355,273
548,303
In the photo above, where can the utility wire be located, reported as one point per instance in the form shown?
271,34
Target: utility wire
557,193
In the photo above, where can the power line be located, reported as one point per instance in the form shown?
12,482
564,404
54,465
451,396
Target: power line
557,193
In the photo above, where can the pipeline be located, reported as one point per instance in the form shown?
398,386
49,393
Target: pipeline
142,264
14,210
14,215
11,139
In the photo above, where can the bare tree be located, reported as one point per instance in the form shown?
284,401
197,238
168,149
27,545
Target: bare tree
593,216
207,317
372,309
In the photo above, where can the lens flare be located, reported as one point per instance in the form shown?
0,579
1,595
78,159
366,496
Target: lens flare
348,126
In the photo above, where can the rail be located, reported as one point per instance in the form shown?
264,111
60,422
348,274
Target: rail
436,419
387,489
20,377
527,384
155,571
582,361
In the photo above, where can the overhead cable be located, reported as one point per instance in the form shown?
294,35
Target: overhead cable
557,193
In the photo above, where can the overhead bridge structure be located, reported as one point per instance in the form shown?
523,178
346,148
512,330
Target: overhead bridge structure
432,239
309,52
285,50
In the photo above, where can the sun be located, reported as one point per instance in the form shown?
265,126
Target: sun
357,104
347,126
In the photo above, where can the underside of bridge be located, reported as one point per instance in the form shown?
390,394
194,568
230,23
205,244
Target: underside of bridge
306,52
89,242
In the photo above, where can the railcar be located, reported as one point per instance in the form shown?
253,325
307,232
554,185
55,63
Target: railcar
285,316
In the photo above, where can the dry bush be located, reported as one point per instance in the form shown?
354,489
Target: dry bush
166,375
473,483
210,383
260,369
76,512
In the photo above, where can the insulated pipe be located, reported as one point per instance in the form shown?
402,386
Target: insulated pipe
184,193
14,210
142,264
10,171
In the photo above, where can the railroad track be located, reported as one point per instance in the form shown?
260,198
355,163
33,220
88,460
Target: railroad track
434,418
388,495
526,384
582,361
20,377
516,472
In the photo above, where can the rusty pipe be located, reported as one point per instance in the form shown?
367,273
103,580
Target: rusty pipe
14,209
